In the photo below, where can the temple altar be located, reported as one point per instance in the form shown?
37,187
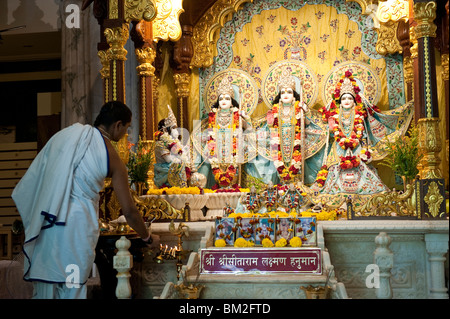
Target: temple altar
259,99
350,246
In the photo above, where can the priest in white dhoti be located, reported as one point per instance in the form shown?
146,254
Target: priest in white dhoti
58,201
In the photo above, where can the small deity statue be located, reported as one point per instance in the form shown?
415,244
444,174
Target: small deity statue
224,125
170,168
252,201
270,197
347,164
292,199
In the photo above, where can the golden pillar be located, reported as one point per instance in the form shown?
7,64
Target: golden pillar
425,94
182,82
431,185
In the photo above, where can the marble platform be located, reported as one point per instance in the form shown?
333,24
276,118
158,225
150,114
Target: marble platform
417,249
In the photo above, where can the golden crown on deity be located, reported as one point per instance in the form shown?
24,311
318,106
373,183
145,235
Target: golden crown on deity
225,87
347,87
286,81
170,120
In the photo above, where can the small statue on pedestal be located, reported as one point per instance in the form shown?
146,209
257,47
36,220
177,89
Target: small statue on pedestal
270,197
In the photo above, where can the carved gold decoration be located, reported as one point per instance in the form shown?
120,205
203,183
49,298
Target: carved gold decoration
390,203
424,15
105,59
117,38
145,57
182,81
386,204
151,172
444,63
387,42
166,25
156,208
408,69
433,198
364,5
392,10
137,10
427,71
203,38
155,93
122,148
415,45
430,145
114,9
143,108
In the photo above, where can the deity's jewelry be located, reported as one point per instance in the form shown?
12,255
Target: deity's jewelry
347,87
224,118
225,88
286,81
171,119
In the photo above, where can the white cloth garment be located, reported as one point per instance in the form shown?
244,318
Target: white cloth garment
58,202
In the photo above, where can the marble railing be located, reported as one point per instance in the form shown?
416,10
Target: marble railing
411,257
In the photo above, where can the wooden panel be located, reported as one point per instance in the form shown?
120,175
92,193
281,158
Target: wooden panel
8,174
7,221
7,202
6,192
8,211
8,183
15,158
18,146
15,164
5,244
18,155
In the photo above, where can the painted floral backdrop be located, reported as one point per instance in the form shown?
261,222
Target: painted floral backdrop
320,33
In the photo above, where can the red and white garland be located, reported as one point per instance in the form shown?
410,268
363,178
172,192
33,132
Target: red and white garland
351,142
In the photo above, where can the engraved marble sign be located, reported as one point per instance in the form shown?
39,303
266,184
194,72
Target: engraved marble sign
262,260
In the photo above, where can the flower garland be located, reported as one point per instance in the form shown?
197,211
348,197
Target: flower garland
322,176
346,141
292,201
251,201
168,142
223,178
270,197
287,173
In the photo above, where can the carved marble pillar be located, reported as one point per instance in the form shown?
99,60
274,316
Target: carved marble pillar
437,247
384,259
123,262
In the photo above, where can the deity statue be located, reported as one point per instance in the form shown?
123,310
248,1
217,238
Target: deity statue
270,197
170,168
354,128
224,128
292,199
251,201
294,141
